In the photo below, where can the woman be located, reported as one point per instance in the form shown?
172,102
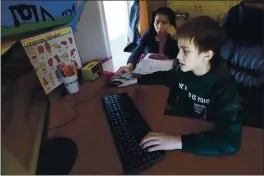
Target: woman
160,39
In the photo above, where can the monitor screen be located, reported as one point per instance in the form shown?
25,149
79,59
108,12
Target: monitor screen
25,107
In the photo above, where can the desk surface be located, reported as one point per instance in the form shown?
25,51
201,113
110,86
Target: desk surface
96,149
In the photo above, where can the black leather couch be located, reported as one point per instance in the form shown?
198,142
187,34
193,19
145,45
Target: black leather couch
247,68
244,52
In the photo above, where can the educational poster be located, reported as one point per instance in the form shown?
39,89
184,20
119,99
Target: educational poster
49,52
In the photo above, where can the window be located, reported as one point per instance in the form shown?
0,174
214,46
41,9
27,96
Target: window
117,15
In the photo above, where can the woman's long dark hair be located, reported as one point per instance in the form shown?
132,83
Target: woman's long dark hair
165,11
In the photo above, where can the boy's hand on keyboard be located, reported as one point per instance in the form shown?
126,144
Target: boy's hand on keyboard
159,141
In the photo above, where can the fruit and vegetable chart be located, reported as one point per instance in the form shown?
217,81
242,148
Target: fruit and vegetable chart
48,52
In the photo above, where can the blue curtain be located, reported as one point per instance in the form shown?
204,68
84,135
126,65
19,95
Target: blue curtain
133,33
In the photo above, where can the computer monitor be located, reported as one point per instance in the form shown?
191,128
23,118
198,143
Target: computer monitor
25,111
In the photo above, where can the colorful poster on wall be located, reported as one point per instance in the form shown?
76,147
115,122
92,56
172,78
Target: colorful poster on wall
48,52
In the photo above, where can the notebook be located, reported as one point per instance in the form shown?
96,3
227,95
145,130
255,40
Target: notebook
147,65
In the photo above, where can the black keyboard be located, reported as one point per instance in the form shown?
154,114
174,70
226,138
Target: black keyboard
128,128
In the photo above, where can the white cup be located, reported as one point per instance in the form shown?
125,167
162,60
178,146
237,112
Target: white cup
71,83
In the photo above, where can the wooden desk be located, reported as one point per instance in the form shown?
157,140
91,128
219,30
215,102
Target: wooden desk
96,149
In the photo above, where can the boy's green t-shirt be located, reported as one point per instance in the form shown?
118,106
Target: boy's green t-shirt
212,97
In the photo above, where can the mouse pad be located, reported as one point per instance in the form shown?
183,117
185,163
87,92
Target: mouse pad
256,122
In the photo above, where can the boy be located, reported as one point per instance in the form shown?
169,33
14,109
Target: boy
200,87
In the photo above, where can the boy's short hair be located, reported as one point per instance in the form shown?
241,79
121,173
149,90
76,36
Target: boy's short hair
205,33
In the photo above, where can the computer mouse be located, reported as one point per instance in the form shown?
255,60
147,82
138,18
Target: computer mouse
114,84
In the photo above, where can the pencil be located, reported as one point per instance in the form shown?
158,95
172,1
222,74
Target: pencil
74,69
65,72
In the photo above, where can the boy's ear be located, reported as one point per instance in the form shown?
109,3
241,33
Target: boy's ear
208,55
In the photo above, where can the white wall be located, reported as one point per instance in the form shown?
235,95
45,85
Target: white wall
91,36
117,24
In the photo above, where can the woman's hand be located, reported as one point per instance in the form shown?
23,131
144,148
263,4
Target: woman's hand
124,71
159,141
172,31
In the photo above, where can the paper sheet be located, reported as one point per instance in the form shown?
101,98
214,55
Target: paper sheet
147,66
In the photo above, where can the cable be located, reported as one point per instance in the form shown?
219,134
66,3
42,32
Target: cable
75,109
